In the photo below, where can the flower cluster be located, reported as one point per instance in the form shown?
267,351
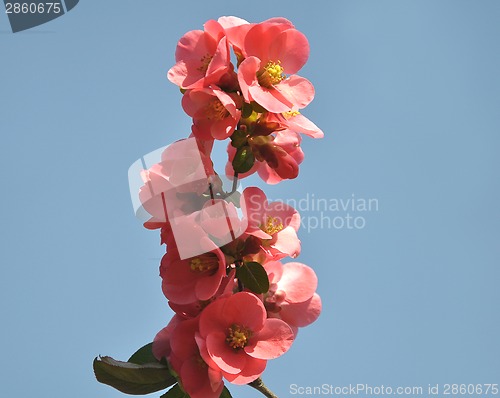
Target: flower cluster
236,304
256,105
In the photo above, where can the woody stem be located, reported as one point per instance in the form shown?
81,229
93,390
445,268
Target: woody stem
235,183
234,187
259,385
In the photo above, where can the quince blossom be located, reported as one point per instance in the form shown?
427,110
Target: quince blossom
202,57
275,224
197,377
197,278
236,305
215,113
272,50
292,293
237,336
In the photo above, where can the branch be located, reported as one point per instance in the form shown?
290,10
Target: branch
259,385
234,188
235,182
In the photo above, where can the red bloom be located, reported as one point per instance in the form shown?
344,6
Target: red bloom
194,279
214,113
275,224
292,294
202,57
198,378
236,335
273,49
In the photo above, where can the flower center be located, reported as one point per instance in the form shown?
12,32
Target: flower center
205,61
272,225
271,74
238,336
205,262
215,110
290,114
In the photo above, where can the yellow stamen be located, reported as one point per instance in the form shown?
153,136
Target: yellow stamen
238,336
290,114
215,110
205,262
271,74
272,226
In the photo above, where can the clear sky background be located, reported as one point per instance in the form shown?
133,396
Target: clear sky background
408,95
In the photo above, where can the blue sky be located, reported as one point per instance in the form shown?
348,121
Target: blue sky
408,95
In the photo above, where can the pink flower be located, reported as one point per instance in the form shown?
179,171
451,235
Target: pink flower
202,57
273,49
197,377
193,279
236,335
292,293
161,344
275,224
214,112
192,310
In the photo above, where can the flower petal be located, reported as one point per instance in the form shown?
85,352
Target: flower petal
287,242
273,99
247,75
298,281
297,90
196,381
161,343
301,314
226,358
212,318
245,309
302,124
274,270
182,339
272,341
253,369
259,37
254,206
291,48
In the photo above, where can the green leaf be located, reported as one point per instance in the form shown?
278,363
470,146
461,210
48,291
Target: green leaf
243,160
132,378
225,393
143,355
254,277
175,392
